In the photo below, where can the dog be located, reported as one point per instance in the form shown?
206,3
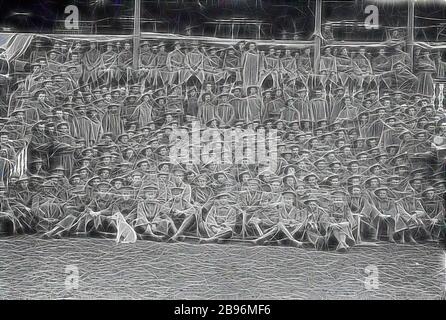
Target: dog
125,231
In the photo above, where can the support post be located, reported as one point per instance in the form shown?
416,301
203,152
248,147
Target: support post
410,28
136,33
317,36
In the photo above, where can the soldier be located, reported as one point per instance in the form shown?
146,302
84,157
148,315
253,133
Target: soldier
340,222
220,221
175,64
194,64
124,73
109,65
152,220
91,62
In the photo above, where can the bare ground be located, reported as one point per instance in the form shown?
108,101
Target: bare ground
33,268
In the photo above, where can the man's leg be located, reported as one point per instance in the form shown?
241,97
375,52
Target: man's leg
187,223
226,234
288,235
148,233
409,235
268,235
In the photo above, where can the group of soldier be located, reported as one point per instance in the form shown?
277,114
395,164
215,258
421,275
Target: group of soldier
358,144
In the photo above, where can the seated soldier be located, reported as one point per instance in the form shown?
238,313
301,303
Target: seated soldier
386,213
360,207
220,220
315,229
97,216
183,213
268,223
340,222
150,219
411,211
433,219
293,219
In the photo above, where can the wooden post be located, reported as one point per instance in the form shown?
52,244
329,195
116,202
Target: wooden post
410,28
317,36
136,33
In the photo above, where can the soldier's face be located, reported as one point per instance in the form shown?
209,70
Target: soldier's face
179,176
288,199
127,46
416,184
338,201
64,129
322,165
223,200
421,136
105,174
151,194
382,194
275,186
376,170
334,182
252,185
221,178
430,194
312,180
201,182
312,205
374,183
137,179
118,184
290,181
356,192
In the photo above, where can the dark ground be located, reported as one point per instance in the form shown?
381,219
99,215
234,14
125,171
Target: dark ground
33,268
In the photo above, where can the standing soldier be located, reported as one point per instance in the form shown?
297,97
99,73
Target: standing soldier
109,65
212,66
175,64
231,66
224,112
91,62
124,64
251,64
194,63
206,109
